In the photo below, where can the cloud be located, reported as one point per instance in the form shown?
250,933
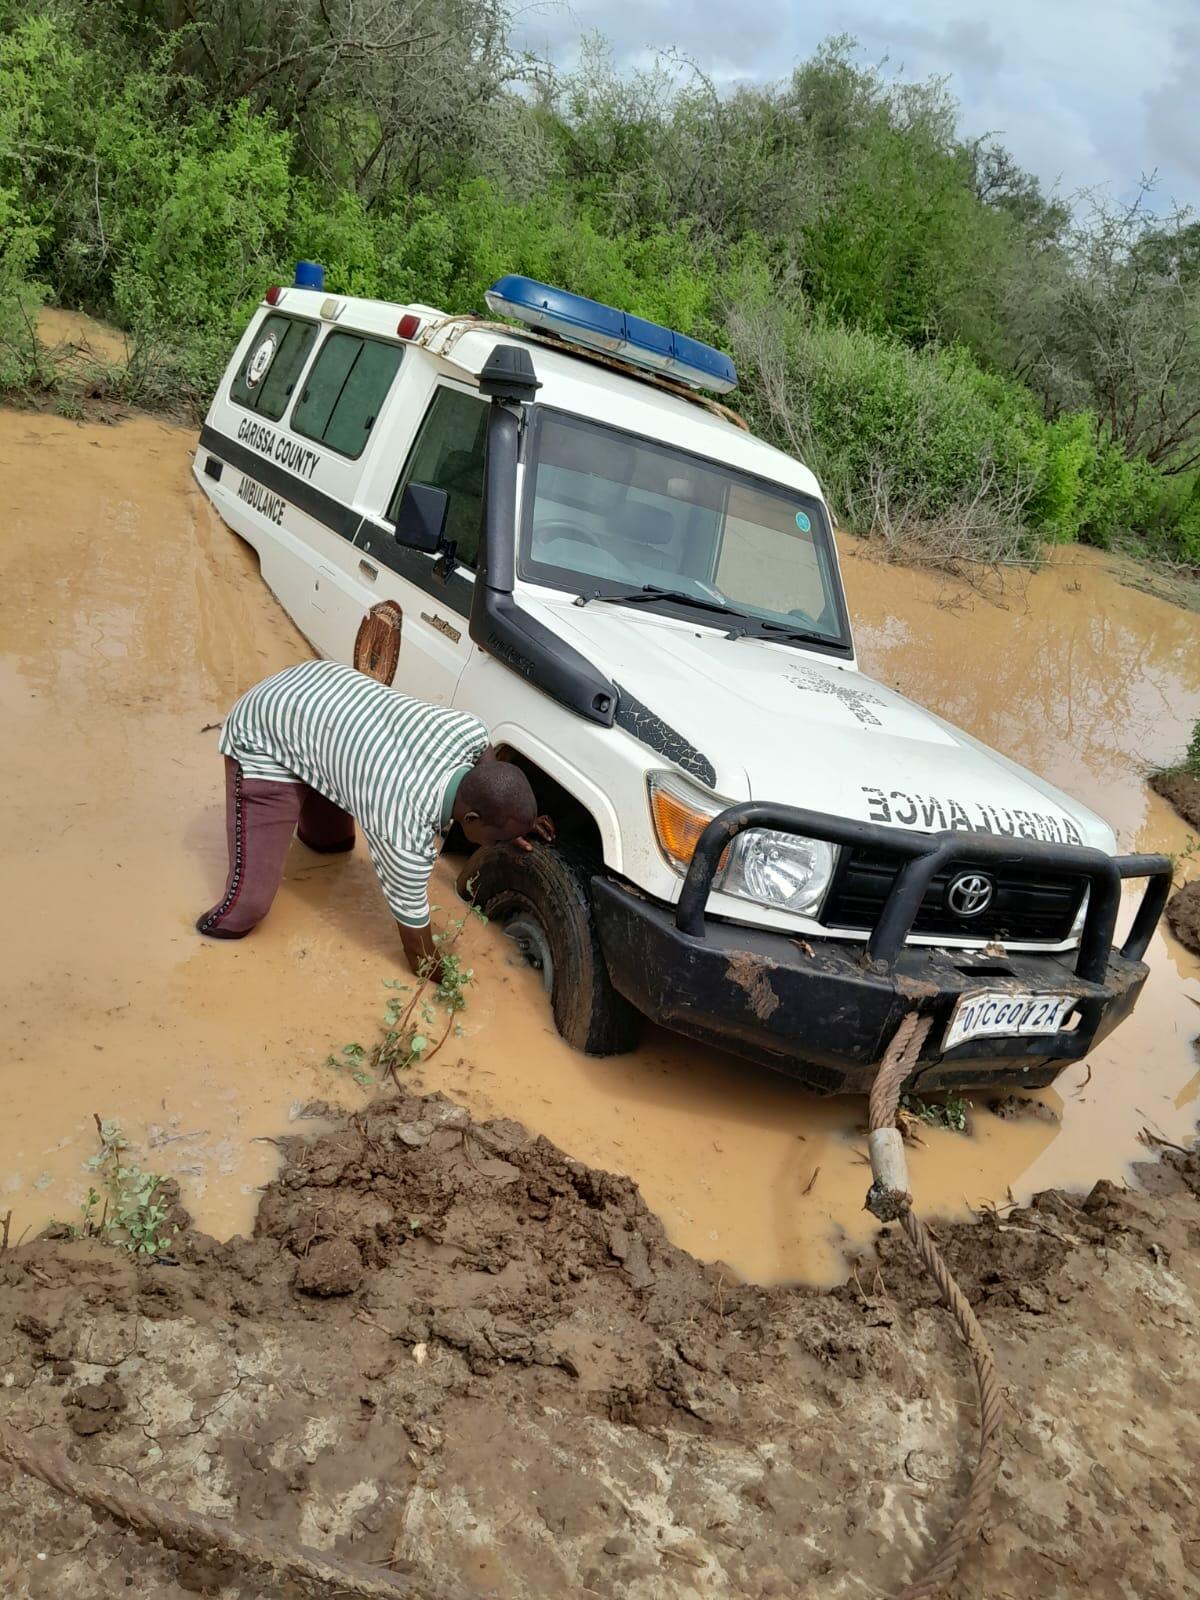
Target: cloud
757,44
1172,125
962,45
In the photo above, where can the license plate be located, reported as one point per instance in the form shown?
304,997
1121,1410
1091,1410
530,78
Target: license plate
999,1014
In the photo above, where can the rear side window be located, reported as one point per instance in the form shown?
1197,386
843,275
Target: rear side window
276,358
345,392
448,455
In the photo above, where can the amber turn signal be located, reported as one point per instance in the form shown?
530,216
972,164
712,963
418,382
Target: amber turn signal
678,824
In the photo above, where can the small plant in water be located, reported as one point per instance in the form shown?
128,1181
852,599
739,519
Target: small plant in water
1182,858
132,1213
420,1016
1190,762
948,1113
351,1058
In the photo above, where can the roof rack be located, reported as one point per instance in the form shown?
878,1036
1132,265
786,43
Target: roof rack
458,323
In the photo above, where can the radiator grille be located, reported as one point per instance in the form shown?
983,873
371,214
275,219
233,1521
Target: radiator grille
1027,906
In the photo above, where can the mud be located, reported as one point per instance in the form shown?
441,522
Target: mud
1182,790
132,619
753,974
1183,915
78,341
450,1348
459,1338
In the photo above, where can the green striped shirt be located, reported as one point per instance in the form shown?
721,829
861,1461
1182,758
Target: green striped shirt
382,757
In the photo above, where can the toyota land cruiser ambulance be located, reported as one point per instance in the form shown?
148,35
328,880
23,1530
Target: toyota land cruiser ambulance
758,846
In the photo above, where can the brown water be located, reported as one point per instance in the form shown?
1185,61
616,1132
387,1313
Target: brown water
131,618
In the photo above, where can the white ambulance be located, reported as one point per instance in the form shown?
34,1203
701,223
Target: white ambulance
758,846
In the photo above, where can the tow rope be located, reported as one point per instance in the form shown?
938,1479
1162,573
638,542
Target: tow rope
890,1200
198,1535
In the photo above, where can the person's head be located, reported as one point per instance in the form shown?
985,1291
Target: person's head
494,803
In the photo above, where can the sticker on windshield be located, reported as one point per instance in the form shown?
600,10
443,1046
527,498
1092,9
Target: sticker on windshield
804,522
260,361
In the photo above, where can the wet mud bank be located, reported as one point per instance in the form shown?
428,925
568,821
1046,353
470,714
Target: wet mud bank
451,1349
1183,915
1182,790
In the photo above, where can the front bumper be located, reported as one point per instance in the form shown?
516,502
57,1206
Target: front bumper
825,1010
813,1010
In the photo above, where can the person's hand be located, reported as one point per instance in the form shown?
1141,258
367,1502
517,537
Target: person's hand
542,829
421,952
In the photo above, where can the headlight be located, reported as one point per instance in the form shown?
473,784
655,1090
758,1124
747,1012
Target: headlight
778,869
773,869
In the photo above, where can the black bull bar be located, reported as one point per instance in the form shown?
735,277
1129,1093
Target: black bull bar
923,856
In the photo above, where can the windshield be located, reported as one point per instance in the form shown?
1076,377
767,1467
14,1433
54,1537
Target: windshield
608,512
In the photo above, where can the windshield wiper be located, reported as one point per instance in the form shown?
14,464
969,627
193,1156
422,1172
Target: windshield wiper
763,629
650,591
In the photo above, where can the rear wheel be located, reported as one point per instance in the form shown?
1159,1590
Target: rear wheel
540,899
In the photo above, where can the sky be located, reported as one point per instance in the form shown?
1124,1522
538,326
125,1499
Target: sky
1085,93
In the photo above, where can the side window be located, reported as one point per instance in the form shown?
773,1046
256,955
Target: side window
345,391
448,455
266,378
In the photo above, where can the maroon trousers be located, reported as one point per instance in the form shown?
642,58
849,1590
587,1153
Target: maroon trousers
260,819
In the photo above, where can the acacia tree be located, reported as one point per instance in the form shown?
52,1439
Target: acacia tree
1119,332
378,92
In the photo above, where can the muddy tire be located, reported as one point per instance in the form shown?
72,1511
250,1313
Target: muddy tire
541,898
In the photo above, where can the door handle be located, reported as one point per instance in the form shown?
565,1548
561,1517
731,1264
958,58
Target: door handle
369,572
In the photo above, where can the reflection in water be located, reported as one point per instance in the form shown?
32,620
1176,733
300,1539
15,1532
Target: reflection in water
132,619
1086,683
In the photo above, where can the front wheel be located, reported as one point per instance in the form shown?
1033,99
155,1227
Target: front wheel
540,898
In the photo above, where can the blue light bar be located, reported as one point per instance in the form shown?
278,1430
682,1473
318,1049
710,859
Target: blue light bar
579,320
310,275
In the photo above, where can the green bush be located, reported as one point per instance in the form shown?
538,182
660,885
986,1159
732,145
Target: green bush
1190,762
447,249
920,437
24,95
1174,531
896,435
1068,449
21,364
199,249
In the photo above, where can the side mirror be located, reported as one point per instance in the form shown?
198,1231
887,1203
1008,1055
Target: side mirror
421,517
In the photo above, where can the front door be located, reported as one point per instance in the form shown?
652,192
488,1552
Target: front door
434,593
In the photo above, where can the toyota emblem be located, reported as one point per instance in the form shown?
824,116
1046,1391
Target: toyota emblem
970,894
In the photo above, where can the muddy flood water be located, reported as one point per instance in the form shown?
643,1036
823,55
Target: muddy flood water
132,619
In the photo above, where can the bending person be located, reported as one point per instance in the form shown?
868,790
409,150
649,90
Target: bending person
320,746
